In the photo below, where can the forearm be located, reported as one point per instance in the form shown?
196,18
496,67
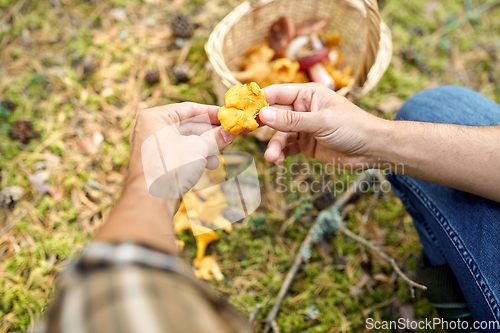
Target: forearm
142,218
462,157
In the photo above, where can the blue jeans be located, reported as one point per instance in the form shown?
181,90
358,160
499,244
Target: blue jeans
456,228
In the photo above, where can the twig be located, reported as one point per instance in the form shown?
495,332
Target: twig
275,326
299,258
306,244
382,255
254,313
373,202
32,318
366,312
19,217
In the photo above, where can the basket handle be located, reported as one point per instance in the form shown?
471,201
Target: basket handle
372,43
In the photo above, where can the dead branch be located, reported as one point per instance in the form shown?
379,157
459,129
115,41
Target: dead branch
19,217
377,193
299,258
306,244
274,325
254,313
382,255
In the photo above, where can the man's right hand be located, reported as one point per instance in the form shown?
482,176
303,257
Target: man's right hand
315,121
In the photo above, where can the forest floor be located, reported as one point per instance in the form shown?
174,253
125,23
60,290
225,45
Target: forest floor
77,72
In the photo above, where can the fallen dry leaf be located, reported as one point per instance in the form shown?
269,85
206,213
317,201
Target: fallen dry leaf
89,145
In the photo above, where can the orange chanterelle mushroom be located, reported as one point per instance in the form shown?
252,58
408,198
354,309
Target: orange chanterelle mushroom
243,103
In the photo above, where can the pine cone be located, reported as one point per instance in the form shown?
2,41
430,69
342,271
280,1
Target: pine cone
416,30
181,73
324,200
409,53
90,64
8,104
23,130
152,76
182,27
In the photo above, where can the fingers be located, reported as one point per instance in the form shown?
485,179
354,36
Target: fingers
273,151
257,119
291,121
278,106
195,128
186,110
222,140
291,149
280,159
284,107
300,96
276,145
212,162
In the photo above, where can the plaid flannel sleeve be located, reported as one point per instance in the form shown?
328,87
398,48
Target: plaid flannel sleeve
131,288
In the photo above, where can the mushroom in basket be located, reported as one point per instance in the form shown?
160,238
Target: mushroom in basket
296,55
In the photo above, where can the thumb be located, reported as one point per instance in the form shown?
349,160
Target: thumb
216,140
289,121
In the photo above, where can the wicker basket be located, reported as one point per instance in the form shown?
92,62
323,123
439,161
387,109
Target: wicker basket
366,40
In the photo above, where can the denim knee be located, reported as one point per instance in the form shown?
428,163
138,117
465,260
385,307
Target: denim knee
417,107
451,105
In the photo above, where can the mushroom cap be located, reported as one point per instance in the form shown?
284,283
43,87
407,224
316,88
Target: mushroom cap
182,207
206,261
182,222
310,26
203,233
223,223
280,34
285,69
307,62
208,268
256,72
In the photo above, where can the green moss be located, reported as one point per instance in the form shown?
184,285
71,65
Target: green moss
17,52
257,255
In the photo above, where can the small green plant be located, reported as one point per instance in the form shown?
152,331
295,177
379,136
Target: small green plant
305,205
258,222
5,120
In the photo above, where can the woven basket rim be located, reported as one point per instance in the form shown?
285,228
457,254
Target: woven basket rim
214,45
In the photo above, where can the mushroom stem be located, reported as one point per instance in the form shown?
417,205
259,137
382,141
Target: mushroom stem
201,248
204,236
